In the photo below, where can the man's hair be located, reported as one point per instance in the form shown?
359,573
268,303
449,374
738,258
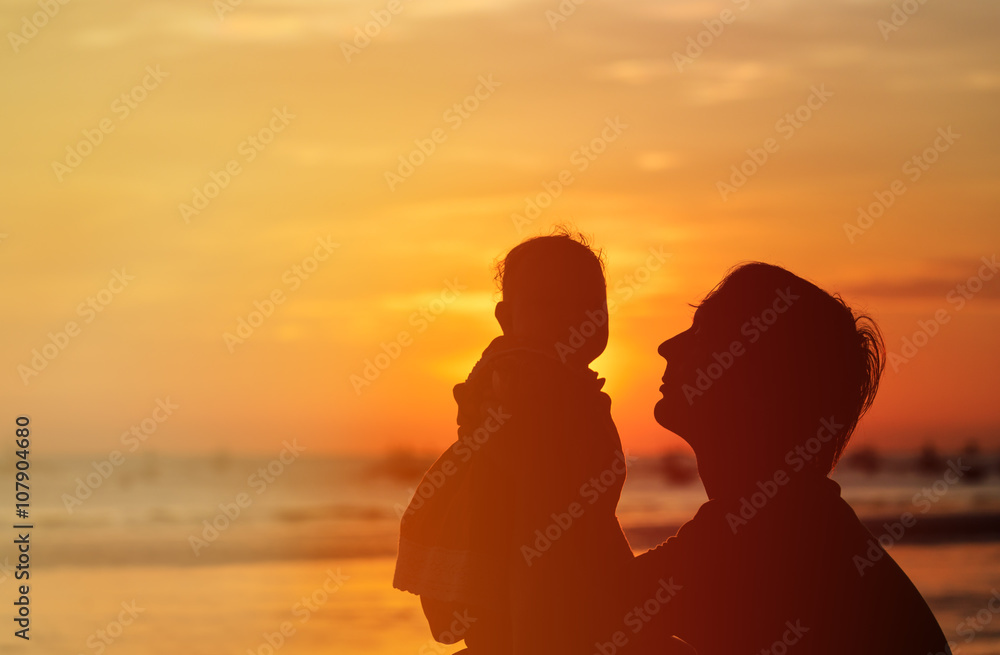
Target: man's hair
556,271
813,360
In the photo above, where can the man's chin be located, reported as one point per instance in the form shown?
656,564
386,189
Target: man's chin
673,414
665,414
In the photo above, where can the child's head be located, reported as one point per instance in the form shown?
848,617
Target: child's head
553,285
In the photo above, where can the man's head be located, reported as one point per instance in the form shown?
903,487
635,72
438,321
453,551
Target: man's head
771,364
553,285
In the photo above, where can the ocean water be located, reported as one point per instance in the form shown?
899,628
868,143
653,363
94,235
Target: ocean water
196,555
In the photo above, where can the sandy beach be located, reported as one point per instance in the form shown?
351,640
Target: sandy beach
240,609
309,564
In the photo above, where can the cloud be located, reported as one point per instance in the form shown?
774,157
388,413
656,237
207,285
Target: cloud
927,287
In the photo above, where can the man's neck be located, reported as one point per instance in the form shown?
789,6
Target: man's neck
733,474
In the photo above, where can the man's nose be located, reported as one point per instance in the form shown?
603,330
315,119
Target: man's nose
669,347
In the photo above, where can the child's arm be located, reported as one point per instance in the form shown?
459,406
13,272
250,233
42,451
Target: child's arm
567,554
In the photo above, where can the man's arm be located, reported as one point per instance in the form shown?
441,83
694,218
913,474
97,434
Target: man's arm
670,586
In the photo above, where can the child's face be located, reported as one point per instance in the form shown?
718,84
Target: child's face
575,332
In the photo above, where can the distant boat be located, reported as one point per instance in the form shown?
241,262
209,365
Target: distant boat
678,468
864,459
930,462
150,466
973,458
221,461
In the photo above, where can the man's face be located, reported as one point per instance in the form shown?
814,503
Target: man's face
675,409
695,382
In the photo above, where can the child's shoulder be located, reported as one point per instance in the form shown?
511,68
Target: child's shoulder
524,376
527,379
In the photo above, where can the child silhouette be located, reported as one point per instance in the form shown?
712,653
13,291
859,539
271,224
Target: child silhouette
512,540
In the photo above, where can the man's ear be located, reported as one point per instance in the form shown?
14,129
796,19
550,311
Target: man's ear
502,313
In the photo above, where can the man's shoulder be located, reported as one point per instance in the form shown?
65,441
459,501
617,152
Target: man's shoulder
786,547
794,565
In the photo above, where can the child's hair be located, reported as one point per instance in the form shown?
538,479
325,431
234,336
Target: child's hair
559,271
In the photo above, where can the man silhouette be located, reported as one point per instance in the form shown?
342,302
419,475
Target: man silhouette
767,387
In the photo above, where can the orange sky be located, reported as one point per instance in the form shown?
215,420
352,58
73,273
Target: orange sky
838,109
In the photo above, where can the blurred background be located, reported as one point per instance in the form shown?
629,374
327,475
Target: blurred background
247,251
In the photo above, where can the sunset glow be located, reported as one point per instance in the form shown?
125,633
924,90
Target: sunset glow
353,203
